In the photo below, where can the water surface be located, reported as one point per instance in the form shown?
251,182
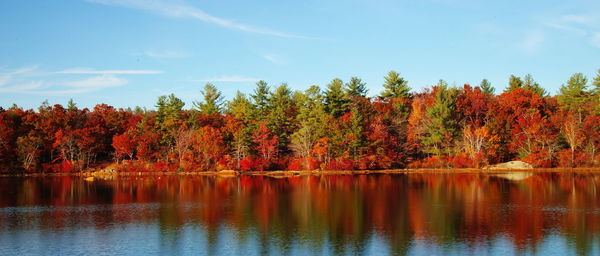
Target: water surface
429,214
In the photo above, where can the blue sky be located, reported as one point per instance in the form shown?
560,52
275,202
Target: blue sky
127,53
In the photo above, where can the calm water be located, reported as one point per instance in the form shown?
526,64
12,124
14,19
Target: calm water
431,214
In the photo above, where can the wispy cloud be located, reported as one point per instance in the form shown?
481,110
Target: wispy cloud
87,71
274,58
164,54
578,18
30,80
532,42
98,82
595,40
232,79
181,10
583,25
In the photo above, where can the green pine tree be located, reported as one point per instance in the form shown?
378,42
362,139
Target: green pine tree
336,99
356,87
575,94
442,128
240,107
213,100
487,87
395,86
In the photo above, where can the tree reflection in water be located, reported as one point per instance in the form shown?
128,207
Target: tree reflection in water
333,214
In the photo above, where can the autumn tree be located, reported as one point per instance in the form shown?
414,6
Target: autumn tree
266,143
28,150
312,123
208,148
124,146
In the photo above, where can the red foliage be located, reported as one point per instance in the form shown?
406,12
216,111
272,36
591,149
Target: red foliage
341,164
252,164
579,158
123,145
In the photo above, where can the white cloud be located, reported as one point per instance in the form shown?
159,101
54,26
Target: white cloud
595,40
532,42
87,71
580,19
181,10
98,82
275,59
23,86
6,77
167,54
584,25
29,80
566,28
163,54
233,79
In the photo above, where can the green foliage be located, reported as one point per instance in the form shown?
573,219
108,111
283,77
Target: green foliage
240,107
527,83
335,98
487,87
575,93
596,93
169,111
71,105
261,98
281,113
312,122
514,82
395,86
530,84
357,141
442,128
356,87
213,100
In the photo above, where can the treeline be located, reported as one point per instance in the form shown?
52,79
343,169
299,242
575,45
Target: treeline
334,128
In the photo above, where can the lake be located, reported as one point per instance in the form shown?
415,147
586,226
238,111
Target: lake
376,214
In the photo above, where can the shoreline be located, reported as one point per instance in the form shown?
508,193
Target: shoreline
102,174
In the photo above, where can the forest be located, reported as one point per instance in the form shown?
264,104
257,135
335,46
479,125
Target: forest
332,128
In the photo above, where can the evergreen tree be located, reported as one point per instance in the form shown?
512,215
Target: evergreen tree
281,114
358,141
71,105
395,86
596,83
530,84
514,82
169,109
441,130
240,107
356,87
574,94
261,98
487,87
336,100
213,100
596,93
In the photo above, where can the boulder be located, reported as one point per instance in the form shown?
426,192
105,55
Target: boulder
510,165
